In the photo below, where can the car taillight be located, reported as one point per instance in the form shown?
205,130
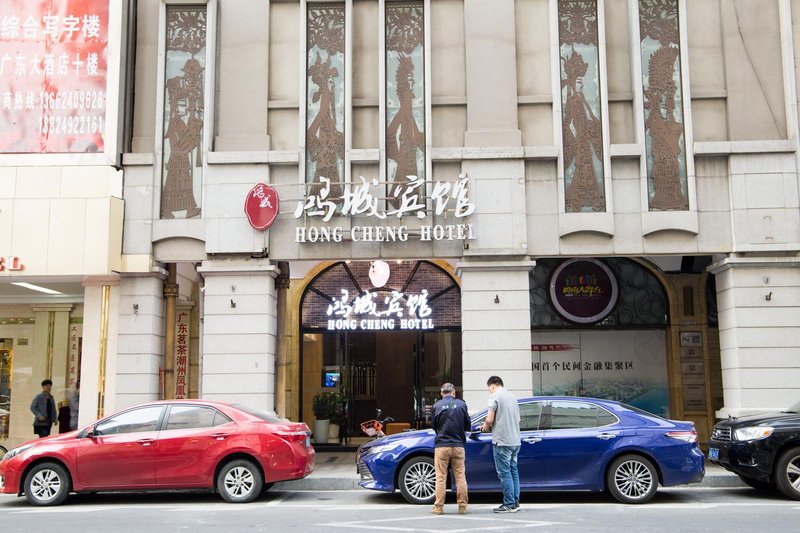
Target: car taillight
292,436
686,436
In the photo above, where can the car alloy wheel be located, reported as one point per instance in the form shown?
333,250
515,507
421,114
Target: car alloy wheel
787,473
240,481
418,480
47,484
632,479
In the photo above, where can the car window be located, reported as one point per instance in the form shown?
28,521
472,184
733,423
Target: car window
575,415
529,416
194,417
266,416
134,421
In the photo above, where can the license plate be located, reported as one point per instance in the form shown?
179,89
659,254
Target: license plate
713,453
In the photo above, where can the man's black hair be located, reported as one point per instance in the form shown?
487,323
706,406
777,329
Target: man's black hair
495,380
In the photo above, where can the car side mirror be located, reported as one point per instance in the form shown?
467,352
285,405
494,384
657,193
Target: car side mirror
90,433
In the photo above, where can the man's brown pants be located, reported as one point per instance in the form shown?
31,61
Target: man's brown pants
454,457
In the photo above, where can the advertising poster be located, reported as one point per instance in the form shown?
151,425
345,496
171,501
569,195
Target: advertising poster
53,67
626,366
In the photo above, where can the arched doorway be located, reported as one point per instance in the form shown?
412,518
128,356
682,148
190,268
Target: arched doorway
384,335
619,353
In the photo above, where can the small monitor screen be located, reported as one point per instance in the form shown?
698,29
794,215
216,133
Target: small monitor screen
332,379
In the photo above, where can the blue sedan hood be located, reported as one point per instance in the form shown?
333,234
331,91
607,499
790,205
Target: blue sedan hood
416,435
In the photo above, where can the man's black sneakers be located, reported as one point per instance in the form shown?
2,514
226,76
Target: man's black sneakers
505,509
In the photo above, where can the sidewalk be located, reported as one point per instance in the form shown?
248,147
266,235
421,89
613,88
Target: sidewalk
336,470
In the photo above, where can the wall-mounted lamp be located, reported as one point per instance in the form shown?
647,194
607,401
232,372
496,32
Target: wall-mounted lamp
768,297
135,309
233,304
496,299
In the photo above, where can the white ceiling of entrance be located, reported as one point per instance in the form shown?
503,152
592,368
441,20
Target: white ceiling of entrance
71,290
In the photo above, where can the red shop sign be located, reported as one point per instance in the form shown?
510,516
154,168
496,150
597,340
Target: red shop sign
261,206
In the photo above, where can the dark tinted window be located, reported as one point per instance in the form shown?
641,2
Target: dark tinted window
194,417
529,416
137,420
575,415
266,416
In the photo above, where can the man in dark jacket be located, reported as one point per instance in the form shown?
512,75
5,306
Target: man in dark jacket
451,422
44,411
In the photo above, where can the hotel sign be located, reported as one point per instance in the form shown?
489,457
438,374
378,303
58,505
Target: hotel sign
371,311
359,201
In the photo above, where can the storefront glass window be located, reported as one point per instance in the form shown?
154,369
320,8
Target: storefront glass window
5,388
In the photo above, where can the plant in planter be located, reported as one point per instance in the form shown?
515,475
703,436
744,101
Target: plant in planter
327,407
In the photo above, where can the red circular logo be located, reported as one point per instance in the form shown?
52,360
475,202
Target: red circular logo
261,206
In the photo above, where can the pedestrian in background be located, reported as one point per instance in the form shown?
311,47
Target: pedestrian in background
44,411
503,420
451,423
74,404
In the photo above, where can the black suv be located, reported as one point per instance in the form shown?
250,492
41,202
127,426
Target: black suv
763,450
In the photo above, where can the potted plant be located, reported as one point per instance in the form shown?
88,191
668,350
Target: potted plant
326,407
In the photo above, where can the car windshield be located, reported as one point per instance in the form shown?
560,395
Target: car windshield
266,416
794,409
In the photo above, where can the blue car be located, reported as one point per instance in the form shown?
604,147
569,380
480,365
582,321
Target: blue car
567,444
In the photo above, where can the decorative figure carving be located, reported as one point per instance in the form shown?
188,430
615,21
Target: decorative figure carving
405,137
582,130
582,133
324,138
183,125
660,38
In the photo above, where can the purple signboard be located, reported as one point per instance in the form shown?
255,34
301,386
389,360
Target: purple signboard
583,291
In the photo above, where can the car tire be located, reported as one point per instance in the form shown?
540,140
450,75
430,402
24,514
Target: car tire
632,479
47,484
756,484
787,473
240,481
417,480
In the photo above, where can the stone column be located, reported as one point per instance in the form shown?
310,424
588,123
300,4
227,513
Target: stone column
759,310
140,344
239,330
99,357
496,327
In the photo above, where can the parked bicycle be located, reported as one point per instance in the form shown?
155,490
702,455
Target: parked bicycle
374,428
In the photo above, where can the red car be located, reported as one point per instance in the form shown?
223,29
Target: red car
174,444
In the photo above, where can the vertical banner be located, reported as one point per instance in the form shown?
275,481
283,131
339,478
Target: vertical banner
74,354
53,68
182,355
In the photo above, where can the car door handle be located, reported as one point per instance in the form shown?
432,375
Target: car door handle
220,436
532,440
606,436
146,442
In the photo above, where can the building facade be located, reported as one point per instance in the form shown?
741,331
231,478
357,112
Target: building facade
375,196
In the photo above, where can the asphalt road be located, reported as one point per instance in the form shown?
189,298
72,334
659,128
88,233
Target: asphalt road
674,510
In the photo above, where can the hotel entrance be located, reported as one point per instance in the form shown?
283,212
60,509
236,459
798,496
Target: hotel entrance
380,335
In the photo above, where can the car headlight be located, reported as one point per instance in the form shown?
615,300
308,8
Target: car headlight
382,448
16,451
754,433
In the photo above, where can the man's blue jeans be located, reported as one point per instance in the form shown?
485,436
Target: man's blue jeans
505,462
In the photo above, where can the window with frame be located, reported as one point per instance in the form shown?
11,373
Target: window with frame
529,414
134,421
194,417
578,415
